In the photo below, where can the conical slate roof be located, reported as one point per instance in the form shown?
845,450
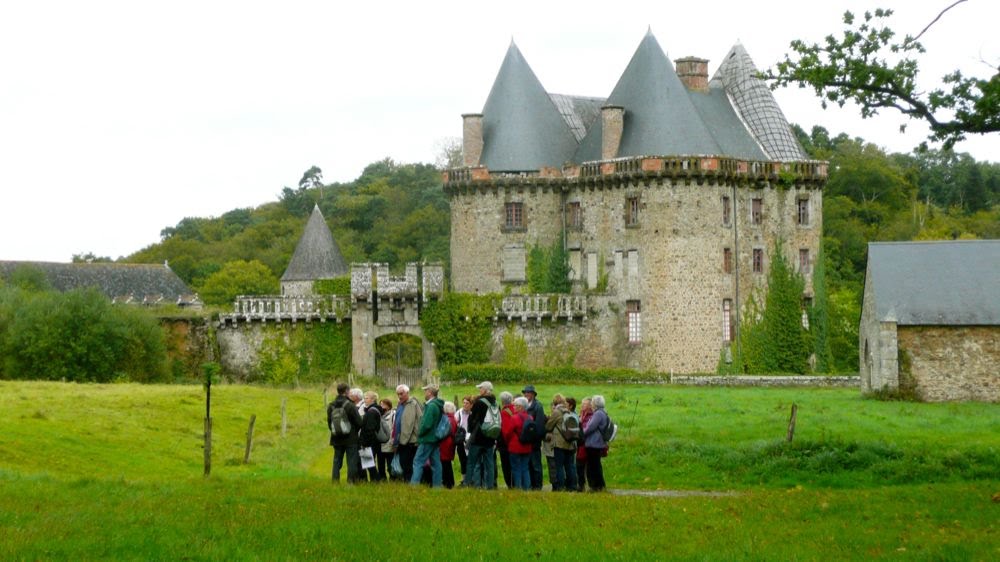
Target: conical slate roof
522,127
317,255
659,115
757,107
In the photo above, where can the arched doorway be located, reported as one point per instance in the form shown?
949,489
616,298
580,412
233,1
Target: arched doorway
399,359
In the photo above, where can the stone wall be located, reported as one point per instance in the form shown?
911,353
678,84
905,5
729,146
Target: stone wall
951,363
671,260
190,343
877,348
769,381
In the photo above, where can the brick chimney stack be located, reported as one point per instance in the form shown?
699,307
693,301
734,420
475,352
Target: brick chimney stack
693,72
612,124
472,138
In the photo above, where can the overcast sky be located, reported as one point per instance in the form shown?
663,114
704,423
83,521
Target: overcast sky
118,119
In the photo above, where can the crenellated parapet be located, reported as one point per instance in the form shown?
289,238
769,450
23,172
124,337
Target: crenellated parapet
320,308
539,307
423,281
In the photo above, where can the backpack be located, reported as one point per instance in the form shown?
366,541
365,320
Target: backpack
491,423
529,431
340,424
384,431
443,428
460,435
610,431
569,426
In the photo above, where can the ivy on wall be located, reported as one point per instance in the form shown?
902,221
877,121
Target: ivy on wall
461,327
340,286
317,353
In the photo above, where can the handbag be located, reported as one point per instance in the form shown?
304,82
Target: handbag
396,468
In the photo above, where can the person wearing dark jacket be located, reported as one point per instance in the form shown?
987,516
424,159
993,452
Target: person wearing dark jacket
370,424
537,413
346,444
428,445
481,469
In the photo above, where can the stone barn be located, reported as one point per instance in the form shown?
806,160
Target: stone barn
930,320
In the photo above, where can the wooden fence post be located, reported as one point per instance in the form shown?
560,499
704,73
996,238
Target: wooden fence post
208,446
284,417
246,455
791,423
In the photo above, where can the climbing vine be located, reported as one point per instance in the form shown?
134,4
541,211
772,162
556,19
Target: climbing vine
461,327
317,353
548,269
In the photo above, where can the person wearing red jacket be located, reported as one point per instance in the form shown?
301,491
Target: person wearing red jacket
448,448
519,451
586,410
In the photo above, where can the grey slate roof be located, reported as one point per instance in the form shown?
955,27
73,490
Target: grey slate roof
522,127
660,118
936,283
757,107
580,112
141,281
726,127
317,255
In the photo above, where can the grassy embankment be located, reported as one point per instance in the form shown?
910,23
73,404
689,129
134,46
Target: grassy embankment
114,471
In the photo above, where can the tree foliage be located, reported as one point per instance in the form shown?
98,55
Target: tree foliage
774,340
77,336
238,278
870,66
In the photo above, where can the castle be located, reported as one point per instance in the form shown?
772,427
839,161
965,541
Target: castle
669,197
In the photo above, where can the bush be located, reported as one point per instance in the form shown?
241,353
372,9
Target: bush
78,336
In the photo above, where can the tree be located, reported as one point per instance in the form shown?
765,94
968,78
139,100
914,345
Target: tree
238,278
90,257
868,66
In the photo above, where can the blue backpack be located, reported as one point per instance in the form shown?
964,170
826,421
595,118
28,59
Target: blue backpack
443,428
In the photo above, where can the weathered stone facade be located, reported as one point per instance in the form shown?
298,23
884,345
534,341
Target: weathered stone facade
951,363
670,260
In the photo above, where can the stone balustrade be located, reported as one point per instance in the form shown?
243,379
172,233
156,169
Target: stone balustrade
288,308
538,307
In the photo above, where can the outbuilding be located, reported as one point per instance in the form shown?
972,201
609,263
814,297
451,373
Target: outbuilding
930,320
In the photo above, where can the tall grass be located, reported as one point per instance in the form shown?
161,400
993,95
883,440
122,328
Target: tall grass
114,472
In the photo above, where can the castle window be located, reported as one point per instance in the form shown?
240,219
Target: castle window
758,260
633,320
803,212
727,260
756,210
727,320
514,212
727,218
804,260
632,211
574,215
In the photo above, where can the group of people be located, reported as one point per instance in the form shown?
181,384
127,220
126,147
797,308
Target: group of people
417,442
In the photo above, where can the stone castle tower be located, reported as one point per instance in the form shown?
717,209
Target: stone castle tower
669,197
317,256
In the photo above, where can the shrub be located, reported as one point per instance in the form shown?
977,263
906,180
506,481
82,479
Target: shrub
546,375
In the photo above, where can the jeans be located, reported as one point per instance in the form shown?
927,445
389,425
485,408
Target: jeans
406,454
551,463
536,467
519,470
353,463
427,451
481,470
565,472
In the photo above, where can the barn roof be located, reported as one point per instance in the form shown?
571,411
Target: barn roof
936,283
145,282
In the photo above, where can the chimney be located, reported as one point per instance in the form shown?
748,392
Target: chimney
693,72
612,123
472,138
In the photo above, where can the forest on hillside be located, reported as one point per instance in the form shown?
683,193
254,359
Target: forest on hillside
397,213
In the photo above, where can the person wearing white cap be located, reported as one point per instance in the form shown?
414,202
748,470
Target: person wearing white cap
481,469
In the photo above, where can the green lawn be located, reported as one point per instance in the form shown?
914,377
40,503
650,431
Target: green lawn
114,471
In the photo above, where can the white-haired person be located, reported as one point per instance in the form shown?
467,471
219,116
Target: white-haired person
518,450
448,448
594,442
506,410
406,429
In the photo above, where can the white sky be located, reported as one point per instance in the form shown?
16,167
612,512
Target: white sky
118,119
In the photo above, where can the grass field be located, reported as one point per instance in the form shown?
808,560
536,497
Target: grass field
115,471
